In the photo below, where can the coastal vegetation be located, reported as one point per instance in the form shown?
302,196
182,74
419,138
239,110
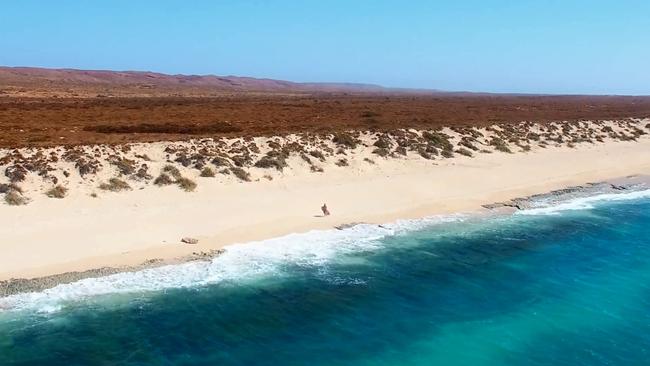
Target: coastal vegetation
186,184
115,185
163,180
58,191
207,172
246,159
15,198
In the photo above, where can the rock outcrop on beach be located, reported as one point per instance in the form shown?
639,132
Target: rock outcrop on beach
558,196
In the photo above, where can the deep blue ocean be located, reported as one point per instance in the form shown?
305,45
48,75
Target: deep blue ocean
565,286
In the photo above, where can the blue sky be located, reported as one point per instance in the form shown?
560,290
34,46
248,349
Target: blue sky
570,46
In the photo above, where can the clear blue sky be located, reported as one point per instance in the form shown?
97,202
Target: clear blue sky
554,46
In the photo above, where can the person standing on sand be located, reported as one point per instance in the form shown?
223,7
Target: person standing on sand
326,212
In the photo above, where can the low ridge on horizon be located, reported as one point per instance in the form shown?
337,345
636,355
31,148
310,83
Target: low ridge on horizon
33,81
26,80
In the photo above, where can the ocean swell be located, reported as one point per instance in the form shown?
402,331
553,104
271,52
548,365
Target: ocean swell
240,262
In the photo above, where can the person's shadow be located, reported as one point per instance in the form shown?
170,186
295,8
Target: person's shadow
319,215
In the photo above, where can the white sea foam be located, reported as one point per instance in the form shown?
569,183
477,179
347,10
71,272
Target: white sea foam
241,263
584,203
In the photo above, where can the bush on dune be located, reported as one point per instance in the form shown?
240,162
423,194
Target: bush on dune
172,170
115,185
241,174
57,192
207,172
15,198
186,184
163,180
345,139
464,151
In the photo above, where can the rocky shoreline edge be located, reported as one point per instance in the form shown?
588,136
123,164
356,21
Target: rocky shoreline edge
621,185
24,285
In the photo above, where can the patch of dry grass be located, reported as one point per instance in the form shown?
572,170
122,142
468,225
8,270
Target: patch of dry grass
318,155
115,185
58,191
241,174
207,172
15,198
163,180
345,139
342,162
186,184
464,151
172,170
500,145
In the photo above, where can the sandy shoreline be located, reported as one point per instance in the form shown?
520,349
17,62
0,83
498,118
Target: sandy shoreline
626,184
124,230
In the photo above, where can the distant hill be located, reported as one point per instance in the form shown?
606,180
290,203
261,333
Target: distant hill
31,81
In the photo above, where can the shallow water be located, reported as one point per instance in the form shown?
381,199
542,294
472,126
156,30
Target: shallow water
561,286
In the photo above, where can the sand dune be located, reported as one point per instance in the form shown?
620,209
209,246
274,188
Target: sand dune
81,232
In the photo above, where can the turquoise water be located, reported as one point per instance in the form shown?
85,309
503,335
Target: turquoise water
569,288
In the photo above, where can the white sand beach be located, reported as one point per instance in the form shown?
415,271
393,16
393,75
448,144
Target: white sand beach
80,232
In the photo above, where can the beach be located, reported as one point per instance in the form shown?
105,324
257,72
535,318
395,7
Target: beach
127,229
477,289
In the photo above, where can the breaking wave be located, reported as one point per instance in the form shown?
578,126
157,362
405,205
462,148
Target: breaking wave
240,262
584,203
249,262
